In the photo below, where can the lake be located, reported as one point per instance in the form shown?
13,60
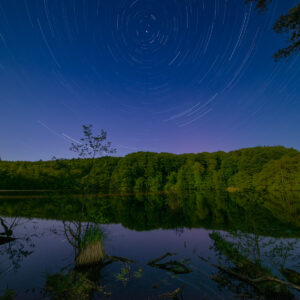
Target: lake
210,245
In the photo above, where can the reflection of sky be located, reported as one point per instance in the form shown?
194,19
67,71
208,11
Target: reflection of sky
52,253
175,76
144,246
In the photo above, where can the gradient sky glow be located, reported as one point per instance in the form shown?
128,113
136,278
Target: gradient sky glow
167,76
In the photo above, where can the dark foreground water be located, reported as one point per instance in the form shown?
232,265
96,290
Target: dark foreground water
211,244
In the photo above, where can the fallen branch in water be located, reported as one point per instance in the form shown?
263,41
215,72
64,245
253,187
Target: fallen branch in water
154,261
173,266
4,240
120,258
253,281
250,272
175,293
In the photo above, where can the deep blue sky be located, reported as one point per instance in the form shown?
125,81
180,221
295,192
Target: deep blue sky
174,76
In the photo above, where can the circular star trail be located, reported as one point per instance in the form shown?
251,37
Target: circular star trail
195,68
148,43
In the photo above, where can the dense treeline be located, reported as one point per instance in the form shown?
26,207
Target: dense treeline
259,168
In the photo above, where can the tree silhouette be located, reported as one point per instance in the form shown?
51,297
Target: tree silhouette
289,24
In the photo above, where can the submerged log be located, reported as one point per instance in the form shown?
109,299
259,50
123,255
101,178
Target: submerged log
5,240
254,281
122,259
173,266
154,261
252,273
175,294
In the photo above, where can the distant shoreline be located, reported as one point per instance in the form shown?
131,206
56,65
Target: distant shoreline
257,169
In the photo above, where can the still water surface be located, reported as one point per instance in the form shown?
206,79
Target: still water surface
200,237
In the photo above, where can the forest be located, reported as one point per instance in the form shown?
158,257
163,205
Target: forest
260,168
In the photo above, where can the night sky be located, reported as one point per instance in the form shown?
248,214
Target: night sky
174,76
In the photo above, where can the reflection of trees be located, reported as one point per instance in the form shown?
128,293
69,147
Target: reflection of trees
86,240
285,206
82,278
213,210
253,264
15,248
7,228
251,276
85,234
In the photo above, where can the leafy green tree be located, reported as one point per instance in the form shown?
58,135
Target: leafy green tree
289,24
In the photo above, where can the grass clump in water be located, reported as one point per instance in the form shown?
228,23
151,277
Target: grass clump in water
93,234
91,248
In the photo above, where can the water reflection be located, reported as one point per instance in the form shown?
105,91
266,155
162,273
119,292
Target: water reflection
252,238
81,278
15,248
252,264
212,210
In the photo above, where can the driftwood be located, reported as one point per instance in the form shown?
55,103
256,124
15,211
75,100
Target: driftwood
173,265
122,259
254,281
7,230
154,261
111,259
175,294
5,239
249,272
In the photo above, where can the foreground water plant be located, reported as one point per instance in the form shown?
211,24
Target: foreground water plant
72,285
91,247
124,274
8,294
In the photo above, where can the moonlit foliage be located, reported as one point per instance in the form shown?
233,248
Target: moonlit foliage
179,63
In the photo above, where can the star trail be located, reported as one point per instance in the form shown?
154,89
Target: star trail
168,76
